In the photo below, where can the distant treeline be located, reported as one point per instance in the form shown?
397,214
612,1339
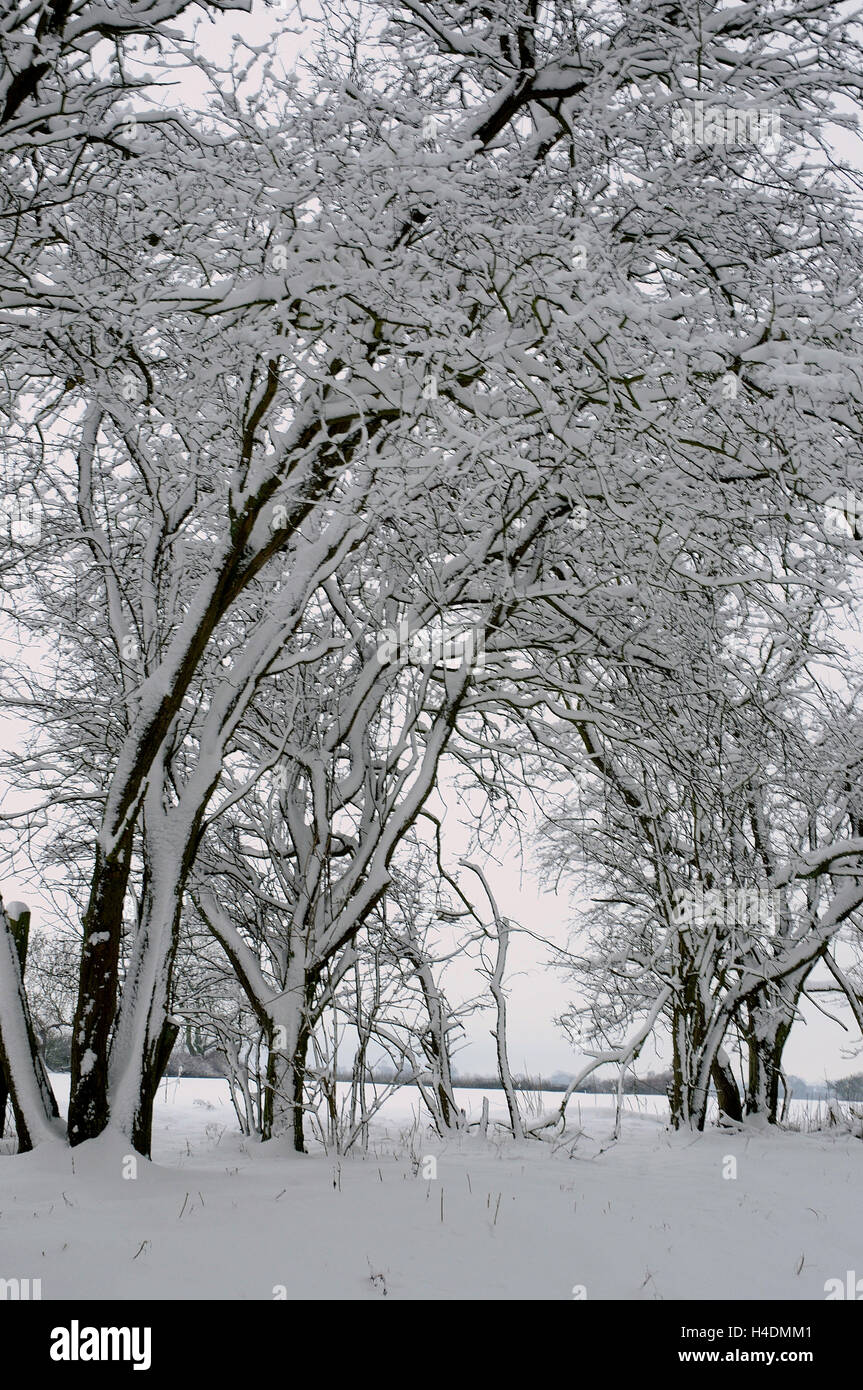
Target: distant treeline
847,1088
654,1084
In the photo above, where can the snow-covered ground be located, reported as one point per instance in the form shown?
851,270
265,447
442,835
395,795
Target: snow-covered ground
655,1216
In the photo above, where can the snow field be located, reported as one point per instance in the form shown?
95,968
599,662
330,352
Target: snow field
656,1216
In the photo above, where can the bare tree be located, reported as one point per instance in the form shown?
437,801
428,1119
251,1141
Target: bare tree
321,348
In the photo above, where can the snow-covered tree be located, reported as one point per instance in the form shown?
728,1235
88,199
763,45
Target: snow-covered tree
700,812
484,281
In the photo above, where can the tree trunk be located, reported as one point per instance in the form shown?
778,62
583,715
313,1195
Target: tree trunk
97,994
286,1067
770,1015
143,1037
286,1076
299,1080
20,929
687,1100
26,1080
435,1043
156,1062
727,1091
496,978
698,1059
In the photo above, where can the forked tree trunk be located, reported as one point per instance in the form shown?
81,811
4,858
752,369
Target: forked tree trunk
283,1019
21,1066
496,987
769,1017
698,1058
447,1114
144,1037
